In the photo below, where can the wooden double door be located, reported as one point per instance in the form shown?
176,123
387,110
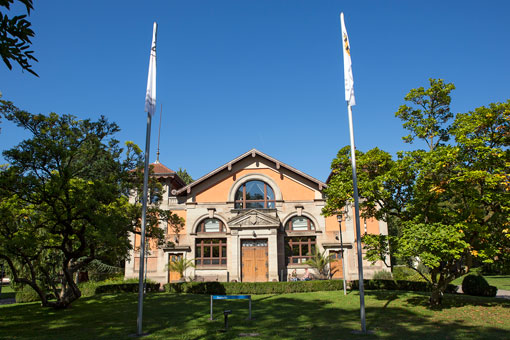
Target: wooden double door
254,261
336,264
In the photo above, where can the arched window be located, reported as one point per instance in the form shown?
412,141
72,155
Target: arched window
299,249
254,195
299,223
211,225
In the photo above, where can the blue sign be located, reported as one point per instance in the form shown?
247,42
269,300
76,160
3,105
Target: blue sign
231,297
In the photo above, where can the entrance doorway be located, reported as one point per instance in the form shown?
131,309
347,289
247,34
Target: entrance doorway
254,265
336,264
173,276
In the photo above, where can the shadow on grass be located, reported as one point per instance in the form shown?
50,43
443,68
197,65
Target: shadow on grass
449,300
322,315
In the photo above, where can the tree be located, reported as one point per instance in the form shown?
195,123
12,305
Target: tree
431,111
64,201
15,37
448,204
183,174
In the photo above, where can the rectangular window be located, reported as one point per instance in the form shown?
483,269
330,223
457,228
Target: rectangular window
211,252
299,249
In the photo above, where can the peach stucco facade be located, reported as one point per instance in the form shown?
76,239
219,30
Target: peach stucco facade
252,219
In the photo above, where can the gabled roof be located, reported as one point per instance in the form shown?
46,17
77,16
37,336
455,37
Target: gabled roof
251,153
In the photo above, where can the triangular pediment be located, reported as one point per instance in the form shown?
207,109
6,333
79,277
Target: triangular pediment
254,218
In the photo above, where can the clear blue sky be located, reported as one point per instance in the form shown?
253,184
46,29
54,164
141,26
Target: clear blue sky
236,75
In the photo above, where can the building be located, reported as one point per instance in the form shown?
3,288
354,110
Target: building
252,219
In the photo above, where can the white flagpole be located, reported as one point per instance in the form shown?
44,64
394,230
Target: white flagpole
150,105
358,234
349,97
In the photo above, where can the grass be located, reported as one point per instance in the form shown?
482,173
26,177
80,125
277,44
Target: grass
319,315
500,281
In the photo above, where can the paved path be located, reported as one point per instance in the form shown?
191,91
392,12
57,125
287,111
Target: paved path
7,301
504,294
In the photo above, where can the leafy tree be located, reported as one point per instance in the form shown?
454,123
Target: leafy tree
15,37
448,204
183,174
431,111
64,202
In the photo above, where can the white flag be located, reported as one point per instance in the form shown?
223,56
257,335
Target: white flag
150,95
349,80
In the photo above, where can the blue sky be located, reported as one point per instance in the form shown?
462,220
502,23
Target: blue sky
236,75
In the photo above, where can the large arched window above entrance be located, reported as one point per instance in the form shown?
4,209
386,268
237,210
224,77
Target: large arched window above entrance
299,223
211,225
254,195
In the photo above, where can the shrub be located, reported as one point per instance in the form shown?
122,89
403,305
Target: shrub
408,274
413,286
383,275
231,288
126,288
91,288
88,288
477,285
402,273
27,294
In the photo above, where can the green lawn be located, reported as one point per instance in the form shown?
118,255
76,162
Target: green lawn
500,281
320,315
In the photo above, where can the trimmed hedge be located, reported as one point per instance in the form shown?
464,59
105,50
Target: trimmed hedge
126,288
413,286
28,294
477,285
231,288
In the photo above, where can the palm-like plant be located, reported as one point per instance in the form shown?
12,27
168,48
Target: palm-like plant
180,266
320,262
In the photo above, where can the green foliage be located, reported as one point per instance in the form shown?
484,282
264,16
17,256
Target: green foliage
232,288
320,262
180,266
26,294
427,118
64,202
115,288
382,275
406,274
477,285
412,286
448,206
15,37
183,174
91,288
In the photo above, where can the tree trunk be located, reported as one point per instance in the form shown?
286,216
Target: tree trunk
436,298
